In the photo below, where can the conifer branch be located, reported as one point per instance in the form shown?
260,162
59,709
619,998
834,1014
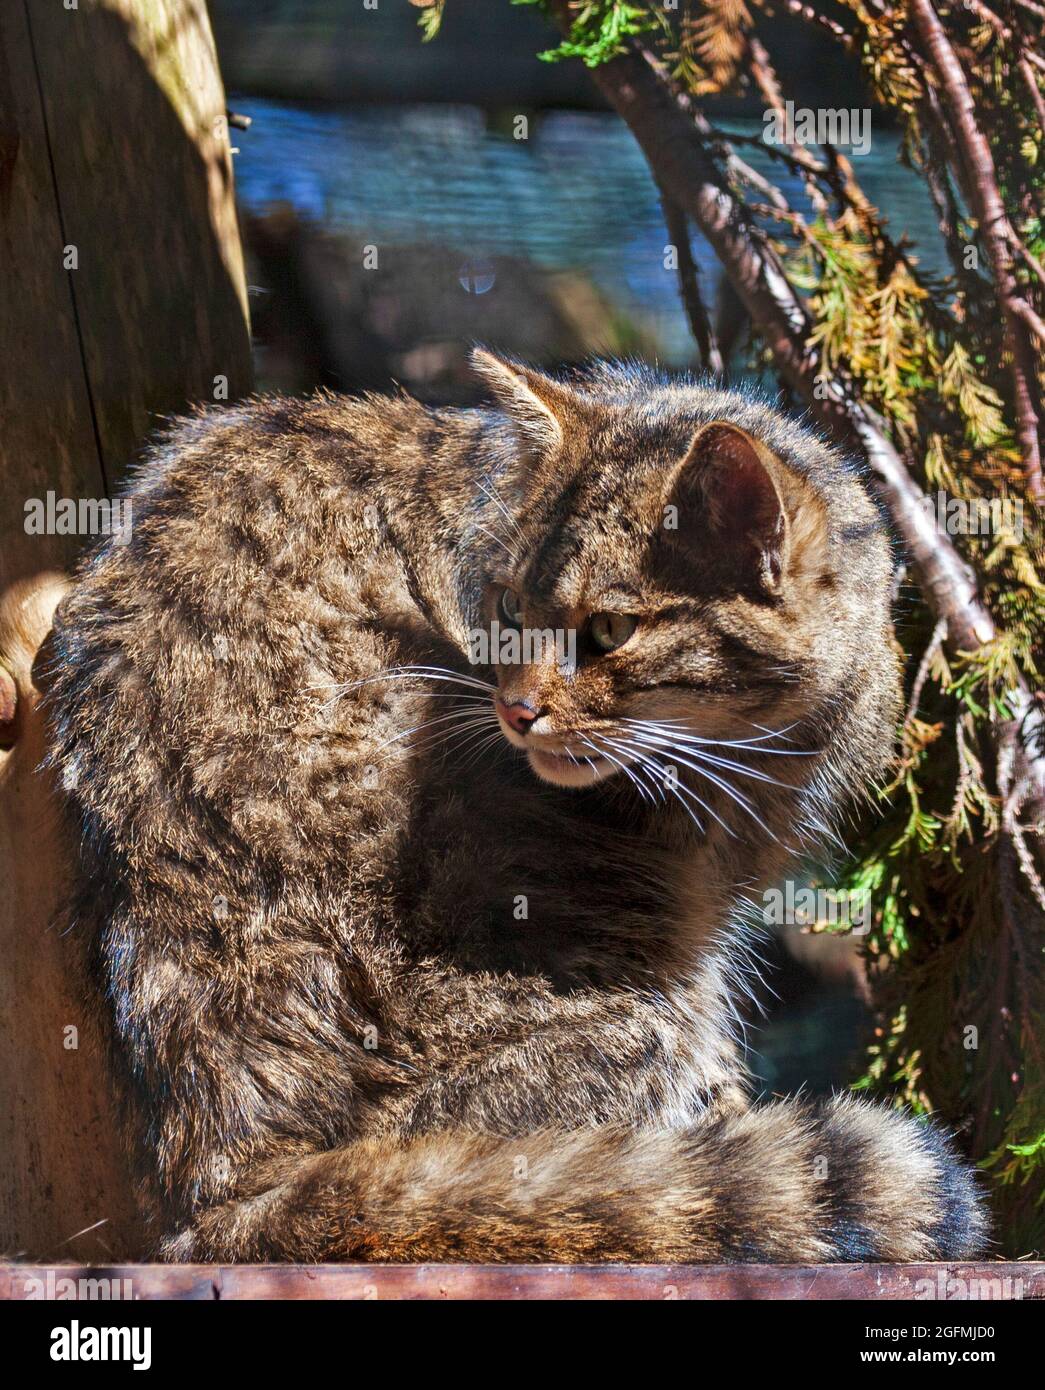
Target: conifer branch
981,183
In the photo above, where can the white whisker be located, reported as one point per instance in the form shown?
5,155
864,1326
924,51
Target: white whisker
668,727
405,673
719,782
678,788
755,773
470,712
631,776
477,752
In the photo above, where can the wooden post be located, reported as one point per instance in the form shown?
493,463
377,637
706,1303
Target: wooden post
122,299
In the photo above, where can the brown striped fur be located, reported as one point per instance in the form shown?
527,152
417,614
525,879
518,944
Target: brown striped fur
399,997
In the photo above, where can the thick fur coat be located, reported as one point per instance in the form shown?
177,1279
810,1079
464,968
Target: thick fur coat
408,955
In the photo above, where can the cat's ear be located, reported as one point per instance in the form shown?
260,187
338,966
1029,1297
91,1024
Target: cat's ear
727,487
539,406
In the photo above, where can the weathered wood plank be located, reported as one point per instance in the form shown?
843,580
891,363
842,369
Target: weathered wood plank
954,1282
47,440
62,1168
122,298
139,143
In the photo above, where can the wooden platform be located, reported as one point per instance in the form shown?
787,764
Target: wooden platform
951,1282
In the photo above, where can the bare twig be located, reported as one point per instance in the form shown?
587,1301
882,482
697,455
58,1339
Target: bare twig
1021,308
989,17
1031,83
689,286
821,21
764,73
1018,793
922,674
746,174
1026,253
945,204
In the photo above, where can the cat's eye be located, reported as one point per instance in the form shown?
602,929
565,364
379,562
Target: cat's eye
511,607
611,630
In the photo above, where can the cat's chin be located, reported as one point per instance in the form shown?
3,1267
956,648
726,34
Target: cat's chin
568,772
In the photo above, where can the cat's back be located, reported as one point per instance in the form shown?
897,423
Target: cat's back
199,655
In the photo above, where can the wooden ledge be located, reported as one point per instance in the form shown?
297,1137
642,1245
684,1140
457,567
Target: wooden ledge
951,1282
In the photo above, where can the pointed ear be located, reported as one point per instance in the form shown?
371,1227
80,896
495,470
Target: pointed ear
727,484
537,405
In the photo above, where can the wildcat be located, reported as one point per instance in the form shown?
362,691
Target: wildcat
408,957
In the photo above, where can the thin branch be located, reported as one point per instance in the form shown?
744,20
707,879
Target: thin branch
1015,793
989,17
743,171
1031,83
945,204
1026,253
766,80
689,286
989,210
924,666
837,31
1030,318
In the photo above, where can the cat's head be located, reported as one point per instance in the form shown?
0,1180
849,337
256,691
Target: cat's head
668,567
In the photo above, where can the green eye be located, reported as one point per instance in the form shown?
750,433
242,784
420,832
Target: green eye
511,608
611,630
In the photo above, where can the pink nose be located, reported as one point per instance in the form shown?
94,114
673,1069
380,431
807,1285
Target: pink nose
519,715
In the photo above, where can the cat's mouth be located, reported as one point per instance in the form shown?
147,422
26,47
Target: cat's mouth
553,759
569,769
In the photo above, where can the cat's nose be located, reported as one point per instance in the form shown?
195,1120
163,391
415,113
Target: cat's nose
519,715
